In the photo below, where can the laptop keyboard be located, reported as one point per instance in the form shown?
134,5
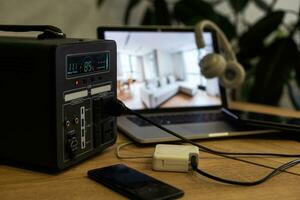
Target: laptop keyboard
179,118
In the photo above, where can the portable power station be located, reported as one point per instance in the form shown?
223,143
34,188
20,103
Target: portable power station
55,92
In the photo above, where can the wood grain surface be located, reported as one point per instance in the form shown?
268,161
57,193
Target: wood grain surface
16,183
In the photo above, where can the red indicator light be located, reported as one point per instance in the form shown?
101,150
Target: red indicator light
77,82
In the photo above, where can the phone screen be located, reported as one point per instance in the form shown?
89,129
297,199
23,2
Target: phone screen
133,183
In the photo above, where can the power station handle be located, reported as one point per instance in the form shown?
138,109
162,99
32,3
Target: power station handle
48,31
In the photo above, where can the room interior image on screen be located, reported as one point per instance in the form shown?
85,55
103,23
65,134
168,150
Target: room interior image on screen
160,70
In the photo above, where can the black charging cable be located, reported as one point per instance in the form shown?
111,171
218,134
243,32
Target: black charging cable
119,108
275,172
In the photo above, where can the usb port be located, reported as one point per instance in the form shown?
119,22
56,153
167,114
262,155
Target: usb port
82,133
82,122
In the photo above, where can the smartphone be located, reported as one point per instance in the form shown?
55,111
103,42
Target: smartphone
134,184
262,120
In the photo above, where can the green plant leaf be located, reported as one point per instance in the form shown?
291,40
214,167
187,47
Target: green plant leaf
162,14
297,70
251,42
192,11
273,71
99,3
226,26
262,5
149,17
294,94
130,6
238,5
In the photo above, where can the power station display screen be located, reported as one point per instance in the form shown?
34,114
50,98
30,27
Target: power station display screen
81,64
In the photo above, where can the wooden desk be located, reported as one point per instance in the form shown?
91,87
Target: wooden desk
264,109
73,184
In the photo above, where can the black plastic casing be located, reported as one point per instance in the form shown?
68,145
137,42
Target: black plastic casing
33,85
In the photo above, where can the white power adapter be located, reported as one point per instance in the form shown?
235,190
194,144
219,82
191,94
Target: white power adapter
174,157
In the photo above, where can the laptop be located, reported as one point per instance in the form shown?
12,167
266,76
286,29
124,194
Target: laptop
158,75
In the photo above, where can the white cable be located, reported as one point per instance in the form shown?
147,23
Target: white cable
118,154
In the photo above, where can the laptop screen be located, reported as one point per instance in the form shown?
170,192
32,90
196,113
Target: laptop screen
159,69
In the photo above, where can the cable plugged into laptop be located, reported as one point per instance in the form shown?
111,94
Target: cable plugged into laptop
117,108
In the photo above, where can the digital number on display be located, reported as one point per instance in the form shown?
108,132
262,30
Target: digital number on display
80,64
